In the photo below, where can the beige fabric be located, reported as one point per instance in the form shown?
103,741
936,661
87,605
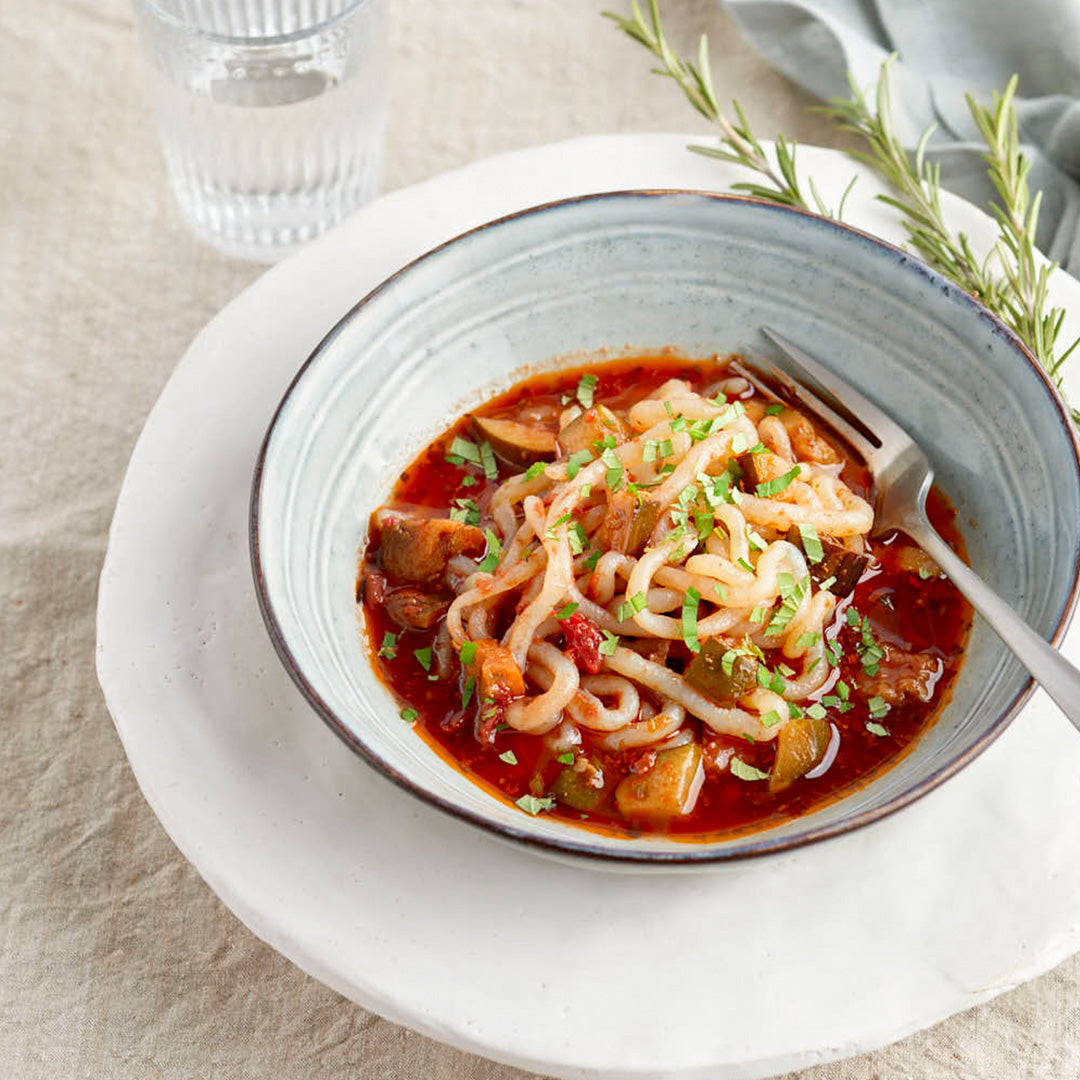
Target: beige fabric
116,961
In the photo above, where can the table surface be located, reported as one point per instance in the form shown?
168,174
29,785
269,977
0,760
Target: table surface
116,960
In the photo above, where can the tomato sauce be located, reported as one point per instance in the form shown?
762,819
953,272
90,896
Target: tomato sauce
907,611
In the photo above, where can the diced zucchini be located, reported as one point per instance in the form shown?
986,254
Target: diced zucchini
761,468
646,515
587,431
669,789
846,566
580,788
519,445
706,674
800,745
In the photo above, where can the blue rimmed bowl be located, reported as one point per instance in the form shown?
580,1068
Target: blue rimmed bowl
634,272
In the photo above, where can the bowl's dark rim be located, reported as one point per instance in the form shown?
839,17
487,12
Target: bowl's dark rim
694,854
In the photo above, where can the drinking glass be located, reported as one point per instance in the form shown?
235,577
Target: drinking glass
272,113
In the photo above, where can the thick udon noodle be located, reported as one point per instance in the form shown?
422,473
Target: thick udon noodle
548,523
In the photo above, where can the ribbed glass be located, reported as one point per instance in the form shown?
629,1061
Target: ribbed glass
272,113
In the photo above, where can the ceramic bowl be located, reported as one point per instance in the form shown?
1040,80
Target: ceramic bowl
633,272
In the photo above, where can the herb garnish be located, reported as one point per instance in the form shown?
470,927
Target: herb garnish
585,388
408,714
467,653
778,483
491,555
532,805
632,606
566,611
388,648
744,771
689,619
509,757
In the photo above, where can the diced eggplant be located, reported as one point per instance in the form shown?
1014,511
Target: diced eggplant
519,445
628,523
706,674
669,789
498,674
582,786
416,550
587,431
646,515
761,468
837,562
800,745
415,609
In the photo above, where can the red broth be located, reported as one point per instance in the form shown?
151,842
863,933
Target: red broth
909,610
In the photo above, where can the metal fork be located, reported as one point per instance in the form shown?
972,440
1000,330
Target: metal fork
902,476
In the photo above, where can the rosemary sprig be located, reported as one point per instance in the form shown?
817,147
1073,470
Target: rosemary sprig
738,144
1018,296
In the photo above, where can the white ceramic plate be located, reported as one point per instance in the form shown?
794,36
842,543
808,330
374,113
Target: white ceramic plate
564,970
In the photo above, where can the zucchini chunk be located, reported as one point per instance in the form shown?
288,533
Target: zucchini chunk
837,562
800,745
669,789
706,674
519,445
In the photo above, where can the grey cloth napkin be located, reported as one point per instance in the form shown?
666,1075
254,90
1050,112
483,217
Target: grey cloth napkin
947,48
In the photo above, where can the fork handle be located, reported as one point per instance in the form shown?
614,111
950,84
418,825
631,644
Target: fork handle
1059,678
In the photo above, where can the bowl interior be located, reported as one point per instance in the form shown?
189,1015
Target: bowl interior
636,272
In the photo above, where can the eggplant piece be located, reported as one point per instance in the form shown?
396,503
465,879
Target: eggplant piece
587,431
519,445
628,524
706,674
416,550
583,788
800,746
761,468
836,562
669,789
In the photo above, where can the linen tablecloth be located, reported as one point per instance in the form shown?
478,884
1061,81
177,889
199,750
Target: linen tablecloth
116,961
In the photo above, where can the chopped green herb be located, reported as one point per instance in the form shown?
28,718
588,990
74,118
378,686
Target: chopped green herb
535,469
758,614
668,409
423,658
679,424
465,511
794,711
759,448
743,771
566,611
727,661
649,450
578,537
585,388
550,534
487,459
388,648
704,523
739,443
811,542
745,565
632,606
665,449
770,719
586,490
816,711
775,409
827,584
853,617
870,652
756,540
491,555
720,591
409,715
613,476
834,653
924,573
575,461
463,450
786,671
730,414
877,729
532,805
467,692
509,757
565,759
689,619
592,559
610,643
792,596
778,484
807,640
468,652
878,707
468,480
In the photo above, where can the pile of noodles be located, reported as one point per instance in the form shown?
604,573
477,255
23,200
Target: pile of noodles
538,567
